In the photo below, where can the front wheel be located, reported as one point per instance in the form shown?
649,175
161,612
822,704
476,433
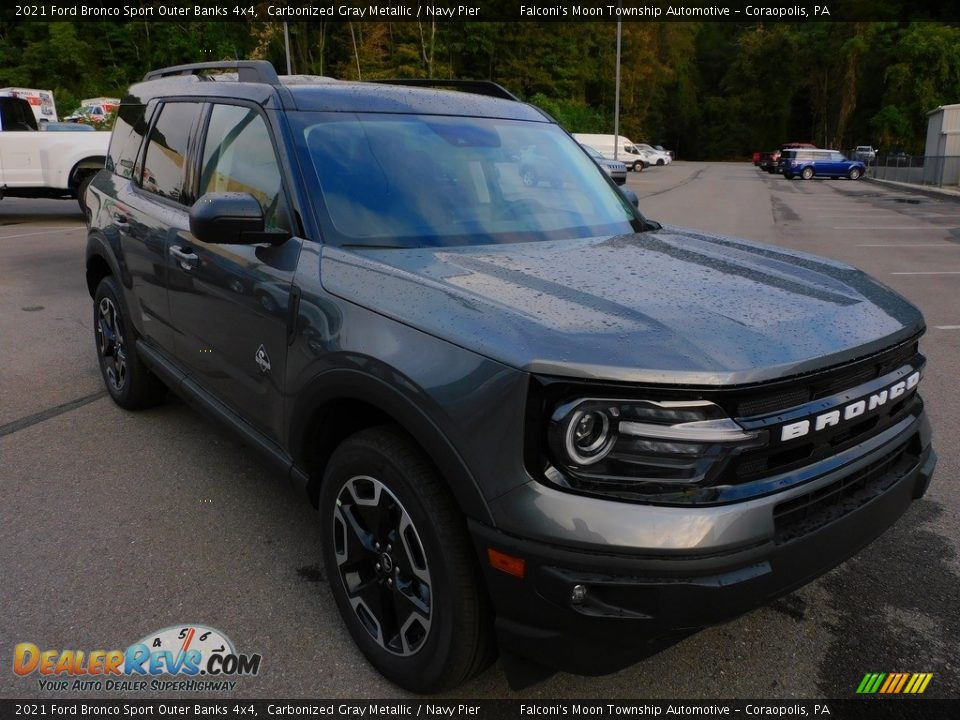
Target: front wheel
854,173
807,173
400,564
638,166
788,176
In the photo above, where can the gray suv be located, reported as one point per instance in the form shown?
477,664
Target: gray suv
533,421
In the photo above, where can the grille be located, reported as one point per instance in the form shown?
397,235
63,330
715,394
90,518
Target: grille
766,461
805,514
789,394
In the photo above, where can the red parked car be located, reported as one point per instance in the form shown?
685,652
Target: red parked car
775,156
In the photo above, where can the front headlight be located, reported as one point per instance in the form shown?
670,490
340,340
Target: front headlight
639,448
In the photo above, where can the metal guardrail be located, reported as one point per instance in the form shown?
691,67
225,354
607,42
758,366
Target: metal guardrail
936,170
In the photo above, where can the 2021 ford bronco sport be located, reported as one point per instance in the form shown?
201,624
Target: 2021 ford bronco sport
532,420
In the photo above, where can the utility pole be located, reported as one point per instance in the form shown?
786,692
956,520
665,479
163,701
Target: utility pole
616,95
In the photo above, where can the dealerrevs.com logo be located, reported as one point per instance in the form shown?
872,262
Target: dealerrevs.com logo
192,657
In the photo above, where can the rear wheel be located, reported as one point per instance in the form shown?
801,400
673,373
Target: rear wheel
638,166
807,173
855,173
129,382
82,192
401,566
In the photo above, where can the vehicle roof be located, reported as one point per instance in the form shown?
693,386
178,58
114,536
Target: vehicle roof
316,93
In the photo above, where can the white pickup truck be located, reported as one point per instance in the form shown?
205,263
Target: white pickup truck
45,164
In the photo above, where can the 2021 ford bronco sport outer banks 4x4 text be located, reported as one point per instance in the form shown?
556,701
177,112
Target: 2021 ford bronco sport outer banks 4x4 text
531,418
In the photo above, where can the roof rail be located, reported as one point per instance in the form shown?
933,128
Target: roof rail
477,87
259,71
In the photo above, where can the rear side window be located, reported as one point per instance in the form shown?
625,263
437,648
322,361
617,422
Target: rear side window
238,157
164,164
125,142
17,115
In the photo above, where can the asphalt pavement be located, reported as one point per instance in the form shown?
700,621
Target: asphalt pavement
114,525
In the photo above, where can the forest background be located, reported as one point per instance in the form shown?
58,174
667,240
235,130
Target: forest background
717,90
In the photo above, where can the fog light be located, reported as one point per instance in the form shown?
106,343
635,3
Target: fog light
579,594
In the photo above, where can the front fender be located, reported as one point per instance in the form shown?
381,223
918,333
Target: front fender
352,384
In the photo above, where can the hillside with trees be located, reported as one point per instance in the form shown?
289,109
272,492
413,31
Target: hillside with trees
706,90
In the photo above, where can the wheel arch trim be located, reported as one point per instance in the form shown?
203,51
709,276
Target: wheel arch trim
349,385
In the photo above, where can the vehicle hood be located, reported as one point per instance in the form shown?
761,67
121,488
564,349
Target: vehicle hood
668,306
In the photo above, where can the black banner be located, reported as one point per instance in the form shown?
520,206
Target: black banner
872,709
483,10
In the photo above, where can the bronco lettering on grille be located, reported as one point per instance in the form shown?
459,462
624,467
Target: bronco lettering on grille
849,412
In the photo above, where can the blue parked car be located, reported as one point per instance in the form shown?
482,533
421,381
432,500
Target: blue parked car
808,163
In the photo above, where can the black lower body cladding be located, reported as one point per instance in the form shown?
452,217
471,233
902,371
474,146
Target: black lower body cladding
590,613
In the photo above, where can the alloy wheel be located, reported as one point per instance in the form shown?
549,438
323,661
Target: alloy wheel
110,343
382,565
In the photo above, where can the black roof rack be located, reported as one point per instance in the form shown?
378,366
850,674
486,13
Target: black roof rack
259,71
477,87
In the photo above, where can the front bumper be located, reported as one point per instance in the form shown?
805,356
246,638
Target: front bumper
641,600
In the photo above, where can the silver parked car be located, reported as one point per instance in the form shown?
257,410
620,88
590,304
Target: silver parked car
614,168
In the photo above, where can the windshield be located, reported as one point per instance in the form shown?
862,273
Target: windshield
391,180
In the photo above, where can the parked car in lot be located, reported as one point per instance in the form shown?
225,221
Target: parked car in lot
94,110
774,165
865,153
652,155
660,148
66,127
532,420
35,164
614,147
809,164
616,170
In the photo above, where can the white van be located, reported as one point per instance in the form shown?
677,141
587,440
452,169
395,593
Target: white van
606,143
41,102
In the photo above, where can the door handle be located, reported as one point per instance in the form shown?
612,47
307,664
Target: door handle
187,259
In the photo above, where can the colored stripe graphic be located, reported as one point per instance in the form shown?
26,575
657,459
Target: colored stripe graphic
903,680
894,683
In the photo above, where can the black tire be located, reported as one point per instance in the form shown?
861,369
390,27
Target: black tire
660,162
129,382
529,177
855,173
82,192
449,636
638,166
788,176
807,173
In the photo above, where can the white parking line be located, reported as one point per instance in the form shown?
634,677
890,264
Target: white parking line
876,227
947,327
940,244
932,272
45,232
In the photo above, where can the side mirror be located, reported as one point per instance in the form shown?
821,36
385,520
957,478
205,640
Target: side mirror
629,194
231,218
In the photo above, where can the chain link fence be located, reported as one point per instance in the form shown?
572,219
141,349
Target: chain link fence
936,170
